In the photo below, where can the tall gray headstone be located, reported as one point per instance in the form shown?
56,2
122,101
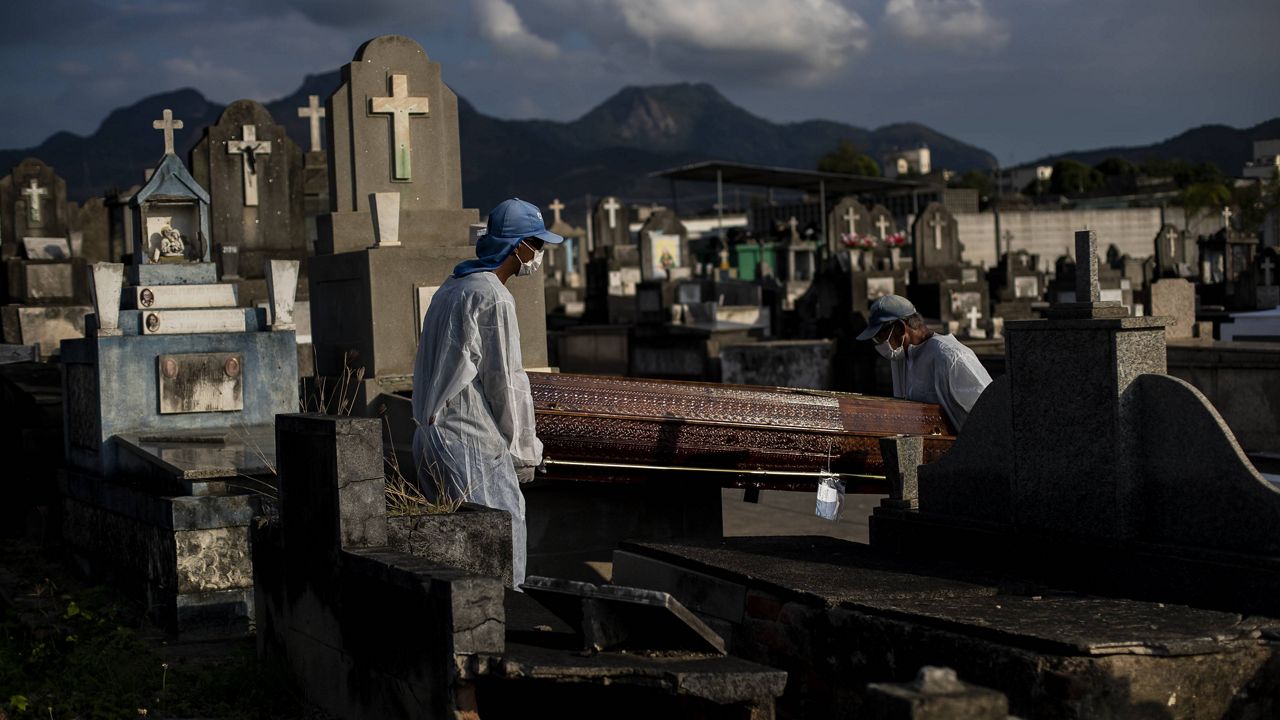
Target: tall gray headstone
936,237
253,173
611,221
848,217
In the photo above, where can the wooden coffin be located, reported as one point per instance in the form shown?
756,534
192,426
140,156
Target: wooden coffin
616,429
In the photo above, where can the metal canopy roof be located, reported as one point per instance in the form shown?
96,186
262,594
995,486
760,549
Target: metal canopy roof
732,173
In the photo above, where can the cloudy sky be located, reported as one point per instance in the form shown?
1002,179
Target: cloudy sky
1021,78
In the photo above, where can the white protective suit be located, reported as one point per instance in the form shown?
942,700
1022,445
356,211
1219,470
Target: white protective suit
472,403
941,370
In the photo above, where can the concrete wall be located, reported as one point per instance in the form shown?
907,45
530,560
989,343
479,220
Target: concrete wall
1050,234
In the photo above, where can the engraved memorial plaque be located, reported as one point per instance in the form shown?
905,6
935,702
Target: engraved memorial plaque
200,382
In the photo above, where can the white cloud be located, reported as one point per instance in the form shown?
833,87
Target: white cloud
501,25
795,40
954,24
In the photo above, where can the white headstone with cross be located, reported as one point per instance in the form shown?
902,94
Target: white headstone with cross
34,193
556,206
611,206
167,125
313,112
974,316
1226,217
249,147
1172,236
400,106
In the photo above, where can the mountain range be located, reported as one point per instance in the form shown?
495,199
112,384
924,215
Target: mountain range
609,150
1227,147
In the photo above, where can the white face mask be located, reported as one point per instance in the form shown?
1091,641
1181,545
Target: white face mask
889,352
530,267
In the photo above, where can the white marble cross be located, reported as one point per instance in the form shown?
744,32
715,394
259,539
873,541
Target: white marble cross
556,206
400,107
1267,267
851,216
883,225
611,205
313,112
168,125
1226,217
1172,236
973,316
937,232
248,148
34,192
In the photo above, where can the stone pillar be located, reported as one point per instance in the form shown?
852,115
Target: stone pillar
1073,419
902,455
935,693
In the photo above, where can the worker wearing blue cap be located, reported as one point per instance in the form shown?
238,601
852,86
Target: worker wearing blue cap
475,438
926,367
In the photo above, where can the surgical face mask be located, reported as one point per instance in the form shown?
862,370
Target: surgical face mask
889,352
529,267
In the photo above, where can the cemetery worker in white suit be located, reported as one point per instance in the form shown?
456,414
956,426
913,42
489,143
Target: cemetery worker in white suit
926,367
475,436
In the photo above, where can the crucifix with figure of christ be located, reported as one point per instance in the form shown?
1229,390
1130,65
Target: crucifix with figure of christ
400,106
556,206
167,125
611,205
249,148
34,192
313,112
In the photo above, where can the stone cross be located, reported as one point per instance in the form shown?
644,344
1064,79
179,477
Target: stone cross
34,192
167,124
556,206
400,107
851,216
1172,236
883,225
937,232
611,205
974,315
1008,241
793,224
313,112
248,149
1087,288
1267,267
1226,217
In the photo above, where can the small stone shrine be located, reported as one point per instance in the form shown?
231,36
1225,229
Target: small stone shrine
1018,286
397,226
664,260
170,397
253,173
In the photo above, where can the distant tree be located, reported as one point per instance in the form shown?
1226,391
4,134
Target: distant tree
1072,177
1202,197
1115,167
976,179
846,158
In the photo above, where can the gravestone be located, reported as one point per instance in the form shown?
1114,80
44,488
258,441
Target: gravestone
1226,261
1019,286
315,172
253,173
1175,298
611,222
91,221
1171,253
664,247
33,203
847,220
882,223
935,236
393,131
565,268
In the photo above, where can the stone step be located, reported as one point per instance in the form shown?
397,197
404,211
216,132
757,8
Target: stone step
180,322
161,297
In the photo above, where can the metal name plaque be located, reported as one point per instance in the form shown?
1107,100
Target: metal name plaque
200,382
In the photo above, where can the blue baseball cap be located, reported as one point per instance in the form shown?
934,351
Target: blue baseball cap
510,222
885,310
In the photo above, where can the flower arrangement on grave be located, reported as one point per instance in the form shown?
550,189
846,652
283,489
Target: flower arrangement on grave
897,239
858,242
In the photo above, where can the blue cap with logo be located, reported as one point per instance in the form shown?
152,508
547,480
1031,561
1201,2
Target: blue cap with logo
885,310
509,223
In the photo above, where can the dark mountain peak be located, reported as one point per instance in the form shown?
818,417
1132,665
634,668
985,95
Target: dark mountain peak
660,117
